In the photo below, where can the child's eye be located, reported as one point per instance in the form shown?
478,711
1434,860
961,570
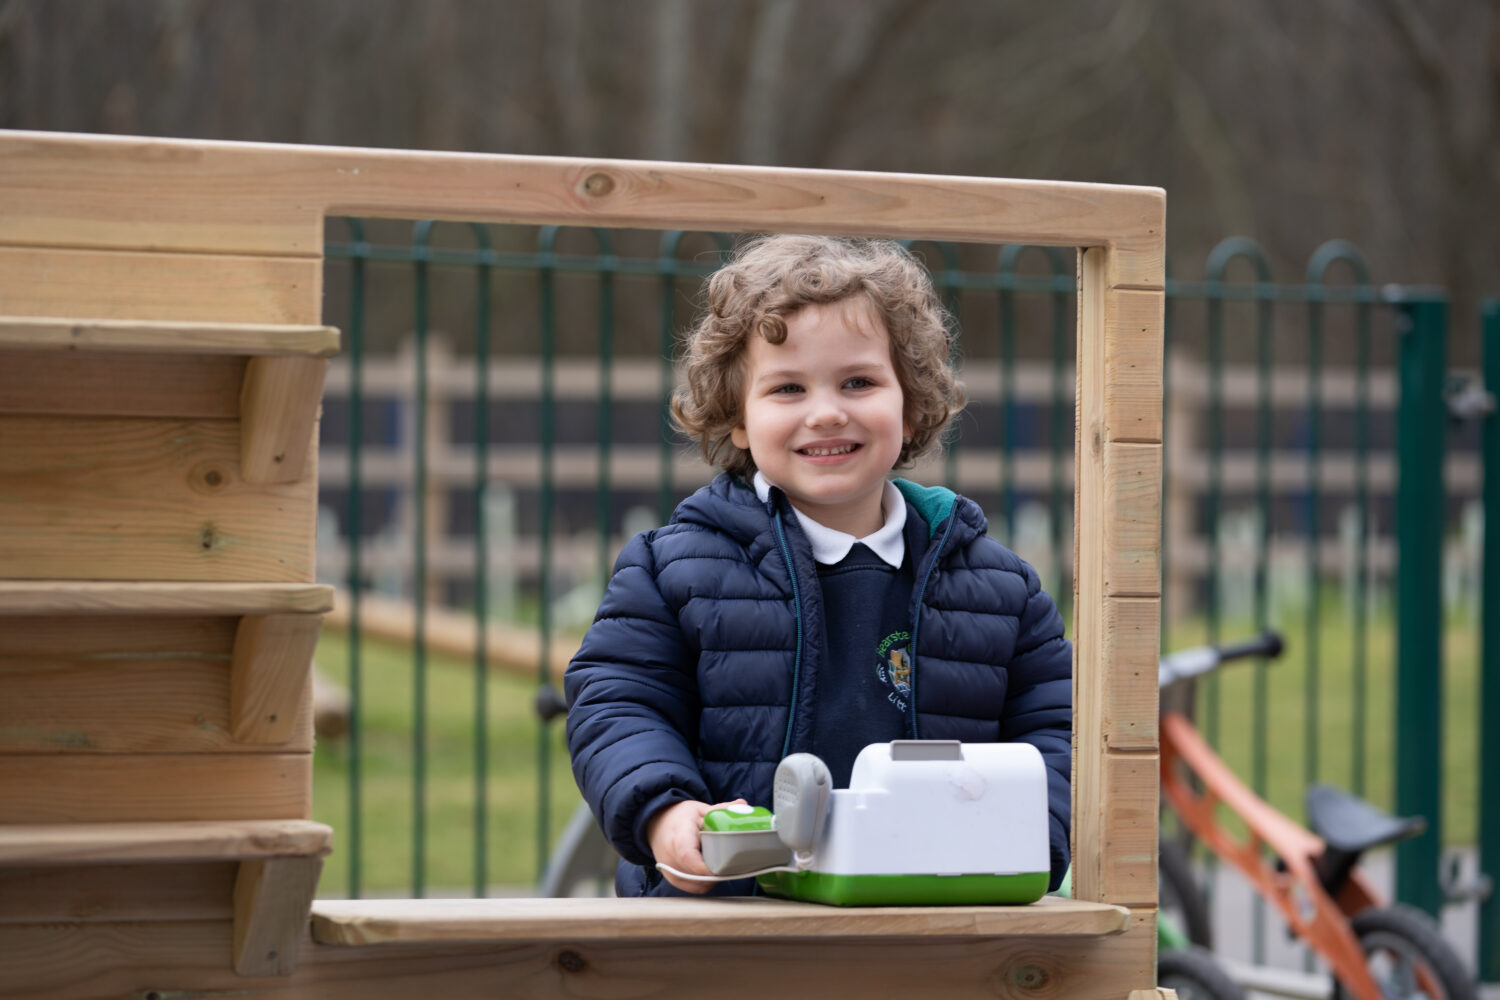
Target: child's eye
788,388
859,382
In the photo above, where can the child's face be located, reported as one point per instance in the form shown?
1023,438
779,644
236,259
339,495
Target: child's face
823,413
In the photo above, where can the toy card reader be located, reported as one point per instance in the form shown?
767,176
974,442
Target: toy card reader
923,822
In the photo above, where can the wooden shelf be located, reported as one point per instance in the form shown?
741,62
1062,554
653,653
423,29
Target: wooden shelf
45,333
93,597
273,645
383,921
36,845
270,376
279,864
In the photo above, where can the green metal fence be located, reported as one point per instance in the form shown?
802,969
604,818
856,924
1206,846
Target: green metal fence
1305,460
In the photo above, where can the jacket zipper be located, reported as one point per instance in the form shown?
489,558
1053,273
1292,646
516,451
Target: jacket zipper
916,620
791,571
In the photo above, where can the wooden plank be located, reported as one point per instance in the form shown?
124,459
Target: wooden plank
127,285
127,385
1133,373
1122,816
52,335
47,639
131,843
1130,478
109,788
1116,555
279,405
88,961
84,597
1125,710
382,921
109,191
202,890
94,498
269,677
125,703
271,900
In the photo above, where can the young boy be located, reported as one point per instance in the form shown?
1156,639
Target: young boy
802,601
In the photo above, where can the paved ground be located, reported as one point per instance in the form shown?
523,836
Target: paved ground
1279,968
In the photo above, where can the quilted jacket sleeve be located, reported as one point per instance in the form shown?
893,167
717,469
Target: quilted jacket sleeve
633,706
1039,708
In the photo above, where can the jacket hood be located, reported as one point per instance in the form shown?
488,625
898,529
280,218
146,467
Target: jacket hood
726,505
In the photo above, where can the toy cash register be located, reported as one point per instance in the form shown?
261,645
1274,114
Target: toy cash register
922,822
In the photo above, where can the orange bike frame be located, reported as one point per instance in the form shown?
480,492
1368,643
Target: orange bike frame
1277,856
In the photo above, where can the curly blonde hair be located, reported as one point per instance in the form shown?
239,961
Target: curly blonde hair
771,277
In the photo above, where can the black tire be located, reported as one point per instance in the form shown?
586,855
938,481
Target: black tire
1180,898
1194,974
1398,941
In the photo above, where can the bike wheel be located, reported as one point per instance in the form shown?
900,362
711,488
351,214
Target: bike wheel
1409,957
1195,975
1179,896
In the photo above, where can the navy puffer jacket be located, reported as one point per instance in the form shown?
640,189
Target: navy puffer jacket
700,672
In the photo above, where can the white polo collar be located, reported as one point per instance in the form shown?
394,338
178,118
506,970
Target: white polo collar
830,546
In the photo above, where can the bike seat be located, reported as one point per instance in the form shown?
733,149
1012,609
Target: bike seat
1350,824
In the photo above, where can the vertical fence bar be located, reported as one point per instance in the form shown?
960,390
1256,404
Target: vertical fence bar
603,495
1323,258
666,260
1420,432
1489,735
1006,316
547,317
482,270
1360,716
421,257
1061,431
1313,513
354,528
950,284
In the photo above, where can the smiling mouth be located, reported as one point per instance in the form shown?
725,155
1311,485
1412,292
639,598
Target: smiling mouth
842,449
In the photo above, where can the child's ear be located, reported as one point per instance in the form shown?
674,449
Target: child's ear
739,437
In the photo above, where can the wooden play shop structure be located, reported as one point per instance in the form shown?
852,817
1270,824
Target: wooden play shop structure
161,365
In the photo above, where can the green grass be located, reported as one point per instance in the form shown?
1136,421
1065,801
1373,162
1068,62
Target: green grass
512,852
388,770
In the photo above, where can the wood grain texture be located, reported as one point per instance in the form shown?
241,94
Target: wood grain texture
140,193
94,498
153,599
53,335
103,638
1132,404
127,703
371,921
271,900
129,843
96,961
279,404
119,384
1130,478
201,890
1125,704
1122,816
1117,555
270,676
109,788
130,285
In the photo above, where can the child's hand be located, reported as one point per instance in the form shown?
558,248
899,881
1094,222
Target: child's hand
673,834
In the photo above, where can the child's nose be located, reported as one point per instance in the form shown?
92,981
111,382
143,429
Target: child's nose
826,412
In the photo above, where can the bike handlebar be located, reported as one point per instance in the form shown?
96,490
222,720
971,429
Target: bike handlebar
1197,660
